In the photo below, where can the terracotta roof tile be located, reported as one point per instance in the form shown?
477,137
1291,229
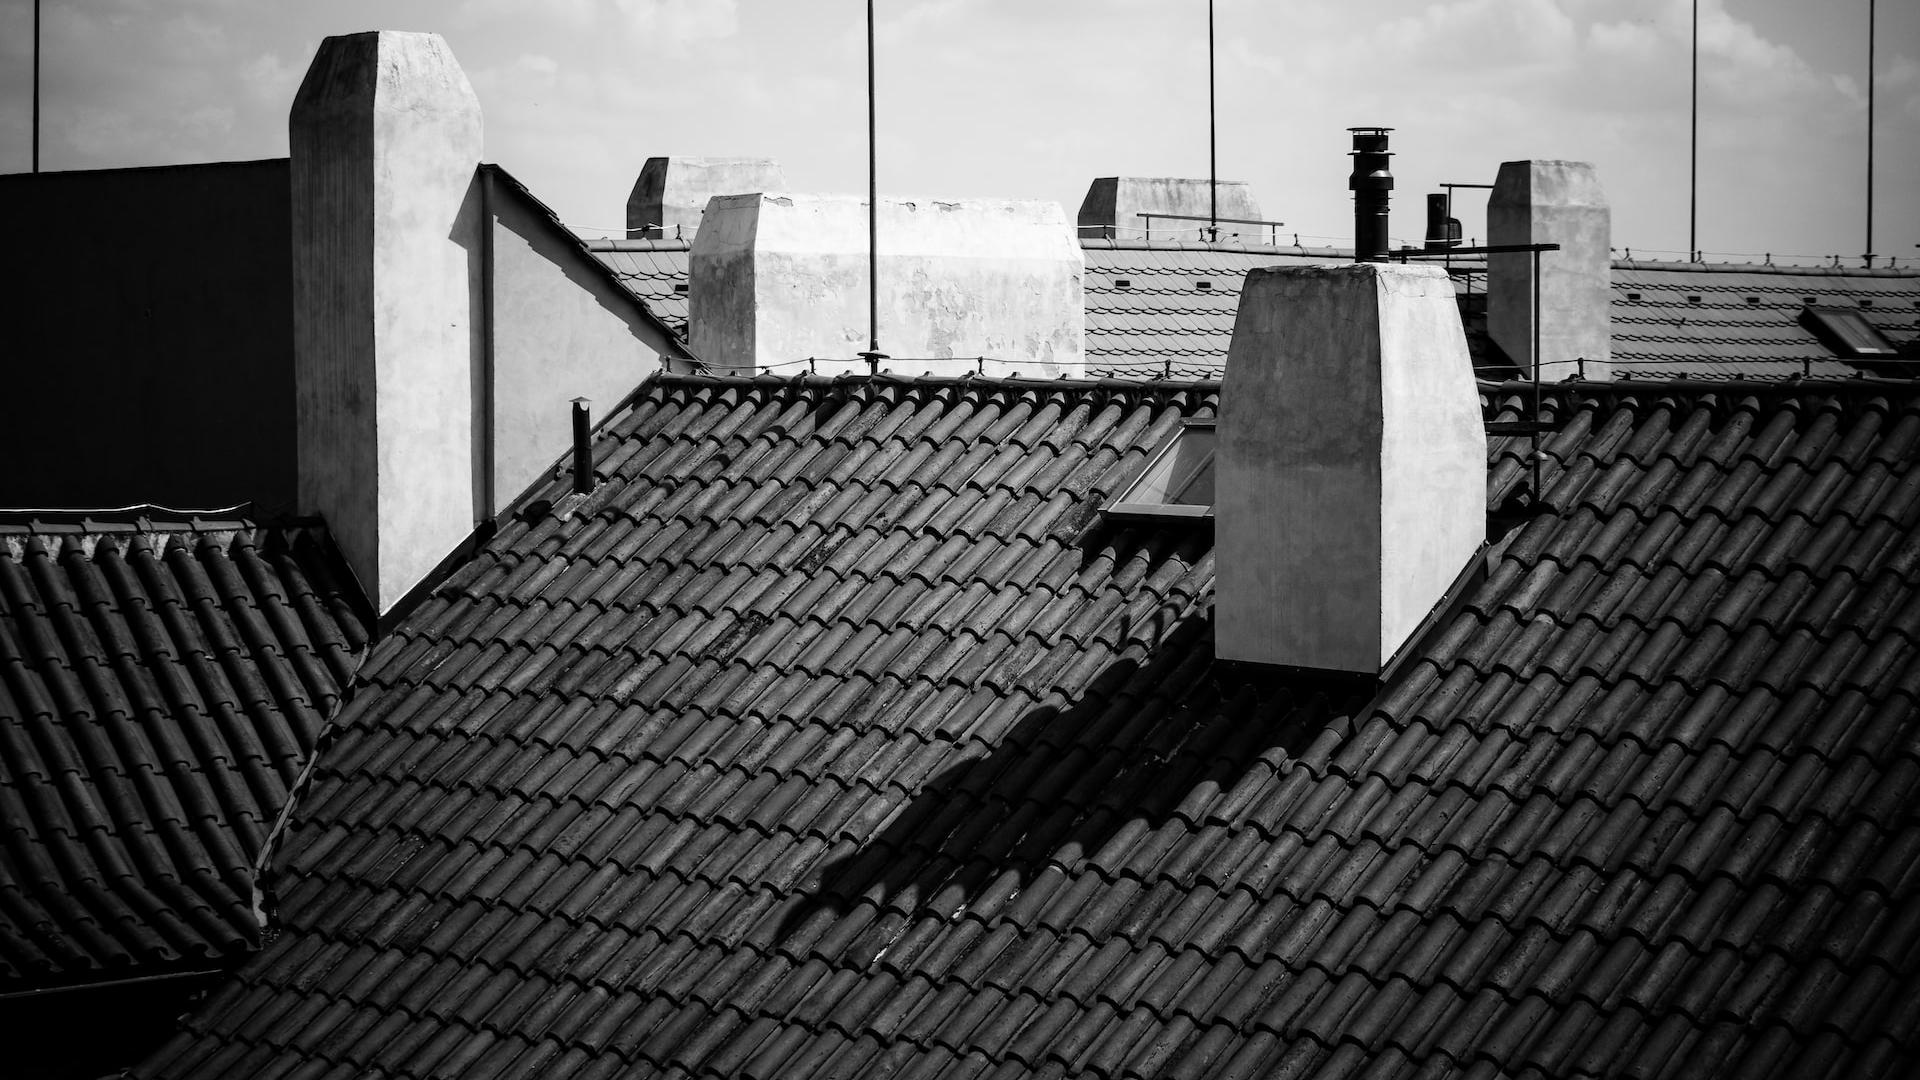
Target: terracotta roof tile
854,773
164,681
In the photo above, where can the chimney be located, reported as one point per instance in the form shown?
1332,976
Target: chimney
385,136
1350,489
672,192
777,279
1113,205
1551,202
1370,183
1443,230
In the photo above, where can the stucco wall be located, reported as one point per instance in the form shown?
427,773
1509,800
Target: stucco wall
1552,202
672,192
776,279
1113,206
561,330
1350,485
149,338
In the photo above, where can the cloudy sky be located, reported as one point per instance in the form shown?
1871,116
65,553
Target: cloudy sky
1033,98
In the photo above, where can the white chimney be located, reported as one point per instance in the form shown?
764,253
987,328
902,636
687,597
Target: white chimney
1113,205
385,135
1350,484
776,279
1552,202
672,192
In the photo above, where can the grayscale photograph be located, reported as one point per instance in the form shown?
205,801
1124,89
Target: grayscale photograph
960,540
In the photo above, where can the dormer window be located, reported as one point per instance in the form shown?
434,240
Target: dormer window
1178,479
1847,332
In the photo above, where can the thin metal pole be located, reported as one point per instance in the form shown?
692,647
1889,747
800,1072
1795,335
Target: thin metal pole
1870,15
873,217
1693,148
1213,155
36,85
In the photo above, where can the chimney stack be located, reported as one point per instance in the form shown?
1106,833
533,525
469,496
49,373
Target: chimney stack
778,279
1552,202
384,139
1443,229
1113,204
672,192
1350,483
1370,183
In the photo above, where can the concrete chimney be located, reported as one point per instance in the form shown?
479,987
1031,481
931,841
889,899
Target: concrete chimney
1552,202
776,279
672,192
385,136
1113,205
1351,479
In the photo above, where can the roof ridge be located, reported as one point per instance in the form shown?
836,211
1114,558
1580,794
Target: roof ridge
1781,269
146,519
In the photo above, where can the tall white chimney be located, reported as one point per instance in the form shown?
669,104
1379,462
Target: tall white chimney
1552,202
385,136
1350,483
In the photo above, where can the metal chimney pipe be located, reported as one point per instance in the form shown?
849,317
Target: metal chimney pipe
582,446
1370,183
1443,230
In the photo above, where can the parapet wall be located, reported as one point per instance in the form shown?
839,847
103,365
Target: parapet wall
779,279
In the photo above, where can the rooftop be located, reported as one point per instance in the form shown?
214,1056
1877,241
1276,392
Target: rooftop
837,733
165,679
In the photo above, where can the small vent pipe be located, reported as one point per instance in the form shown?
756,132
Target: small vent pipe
1370,184
582,445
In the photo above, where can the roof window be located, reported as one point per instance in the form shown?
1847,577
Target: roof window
1177,482
1847,332
1122,283
1203,283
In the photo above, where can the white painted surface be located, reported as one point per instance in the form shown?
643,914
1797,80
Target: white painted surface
780,278
560,331
1351,477
385,134
672,192
1118,201
1552,202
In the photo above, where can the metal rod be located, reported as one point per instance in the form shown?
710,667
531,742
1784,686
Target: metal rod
1870,18
1534,454
873,216
1212,143
1693,149
36,85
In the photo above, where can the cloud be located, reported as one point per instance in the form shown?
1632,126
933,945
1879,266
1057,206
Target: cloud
678,22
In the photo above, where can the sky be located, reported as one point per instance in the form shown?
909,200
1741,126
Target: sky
1035,98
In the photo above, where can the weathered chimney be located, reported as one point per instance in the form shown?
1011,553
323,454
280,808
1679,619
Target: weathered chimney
1370,183
672,192
1350,488
385,135
777,279
1113,207
1551,202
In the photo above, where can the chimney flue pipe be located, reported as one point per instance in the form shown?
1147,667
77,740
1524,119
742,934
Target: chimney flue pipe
582,446
1370,183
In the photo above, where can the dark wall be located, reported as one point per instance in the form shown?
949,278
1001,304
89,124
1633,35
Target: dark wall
148,352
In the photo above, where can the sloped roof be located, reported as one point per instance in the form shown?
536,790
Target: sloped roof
653,270
1741,321
835,734
161,684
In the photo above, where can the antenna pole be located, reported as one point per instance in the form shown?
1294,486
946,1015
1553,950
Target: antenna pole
36,85
873,355
1869,252
1213,153
1693,149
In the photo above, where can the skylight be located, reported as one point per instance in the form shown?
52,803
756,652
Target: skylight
1847,332
1178,480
